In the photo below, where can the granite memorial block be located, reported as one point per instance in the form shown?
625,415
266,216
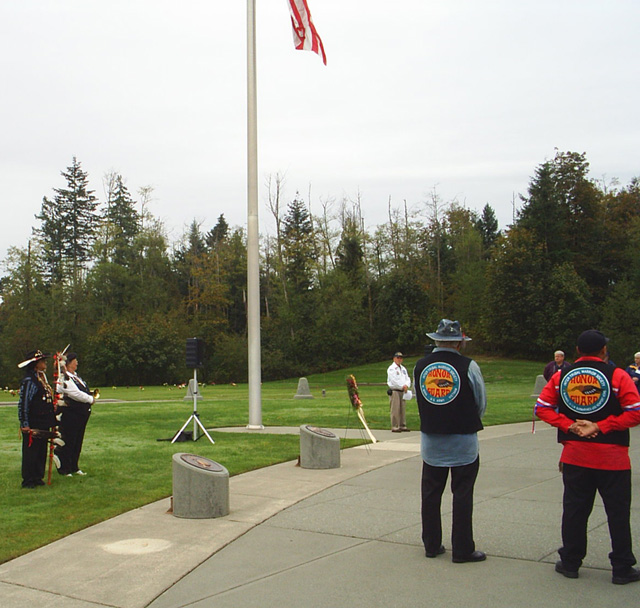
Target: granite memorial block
319,448
200,487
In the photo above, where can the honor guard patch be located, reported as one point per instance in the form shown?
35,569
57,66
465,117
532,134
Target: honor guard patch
439,383
585,390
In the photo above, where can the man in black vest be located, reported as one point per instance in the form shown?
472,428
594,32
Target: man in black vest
75,413
451,401
593,405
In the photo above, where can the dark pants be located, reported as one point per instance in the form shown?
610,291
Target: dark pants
73,424
34,460
580,485
434,480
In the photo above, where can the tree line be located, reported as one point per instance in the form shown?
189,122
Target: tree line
103,276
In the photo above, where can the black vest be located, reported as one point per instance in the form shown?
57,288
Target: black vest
586,393
445,399
72,402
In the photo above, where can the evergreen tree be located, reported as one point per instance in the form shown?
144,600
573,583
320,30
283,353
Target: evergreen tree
487,225
51,235
560,202
122,222
24,299
516,296
298,245
565,210
69,226
218,234
350,252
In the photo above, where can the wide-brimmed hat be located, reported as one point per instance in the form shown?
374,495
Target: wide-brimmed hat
32,357
448,331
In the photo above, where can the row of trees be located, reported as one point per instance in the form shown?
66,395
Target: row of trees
103,276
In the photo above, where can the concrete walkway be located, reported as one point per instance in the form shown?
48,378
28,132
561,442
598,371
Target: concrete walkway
342,537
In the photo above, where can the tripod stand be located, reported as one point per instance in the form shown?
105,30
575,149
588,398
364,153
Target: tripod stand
194,416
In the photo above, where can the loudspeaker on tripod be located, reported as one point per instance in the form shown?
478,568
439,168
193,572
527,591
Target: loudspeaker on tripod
195,353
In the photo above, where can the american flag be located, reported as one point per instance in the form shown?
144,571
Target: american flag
305,36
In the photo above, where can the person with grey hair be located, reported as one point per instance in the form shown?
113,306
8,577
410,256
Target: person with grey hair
634,370
558,364
399,383
452,400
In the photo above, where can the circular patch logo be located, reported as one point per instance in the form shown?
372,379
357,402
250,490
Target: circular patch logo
439,383
585,390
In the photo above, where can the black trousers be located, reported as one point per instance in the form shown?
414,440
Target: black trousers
580,485
73,424
34,459
434,480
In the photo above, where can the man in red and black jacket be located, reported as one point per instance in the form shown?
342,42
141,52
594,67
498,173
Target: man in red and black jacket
593,405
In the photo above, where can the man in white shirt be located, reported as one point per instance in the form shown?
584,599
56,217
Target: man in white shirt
399,382
74,417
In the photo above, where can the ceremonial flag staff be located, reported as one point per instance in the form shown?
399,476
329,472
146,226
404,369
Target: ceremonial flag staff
253,251
305,38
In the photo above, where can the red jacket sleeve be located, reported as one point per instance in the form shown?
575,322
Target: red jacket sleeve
625,390
547,405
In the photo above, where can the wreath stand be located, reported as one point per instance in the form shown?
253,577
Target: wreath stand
354,397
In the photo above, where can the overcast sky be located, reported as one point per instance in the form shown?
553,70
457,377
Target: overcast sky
463,96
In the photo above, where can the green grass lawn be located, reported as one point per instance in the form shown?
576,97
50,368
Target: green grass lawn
128,466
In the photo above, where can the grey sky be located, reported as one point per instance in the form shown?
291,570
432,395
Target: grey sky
463,96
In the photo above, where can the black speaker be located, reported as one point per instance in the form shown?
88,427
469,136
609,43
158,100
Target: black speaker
195,353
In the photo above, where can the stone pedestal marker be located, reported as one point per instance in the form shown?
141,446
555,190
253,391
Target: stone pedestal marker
540,382
190,392
200,487
303,390
319,448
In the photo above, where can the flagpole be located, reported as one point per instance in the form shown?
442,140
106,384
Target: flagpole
253,251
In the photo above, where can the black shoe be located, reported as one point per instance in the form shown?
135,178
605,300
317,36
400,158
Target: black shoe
439,551
30,485
40,482
476,556
560,567
631,577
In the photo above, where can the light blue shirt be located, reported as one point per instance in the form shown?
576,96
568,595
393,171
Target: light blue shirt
440,450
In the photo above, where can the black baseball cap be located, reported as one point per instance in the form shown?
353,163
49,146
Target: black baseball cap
591,341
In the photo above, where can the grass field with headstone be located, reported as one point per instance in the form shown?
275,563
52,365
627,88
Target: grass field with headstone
127,452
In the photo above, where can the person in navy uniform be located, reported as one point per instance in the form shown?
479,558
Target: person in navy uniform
452,401
37,417
74,417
